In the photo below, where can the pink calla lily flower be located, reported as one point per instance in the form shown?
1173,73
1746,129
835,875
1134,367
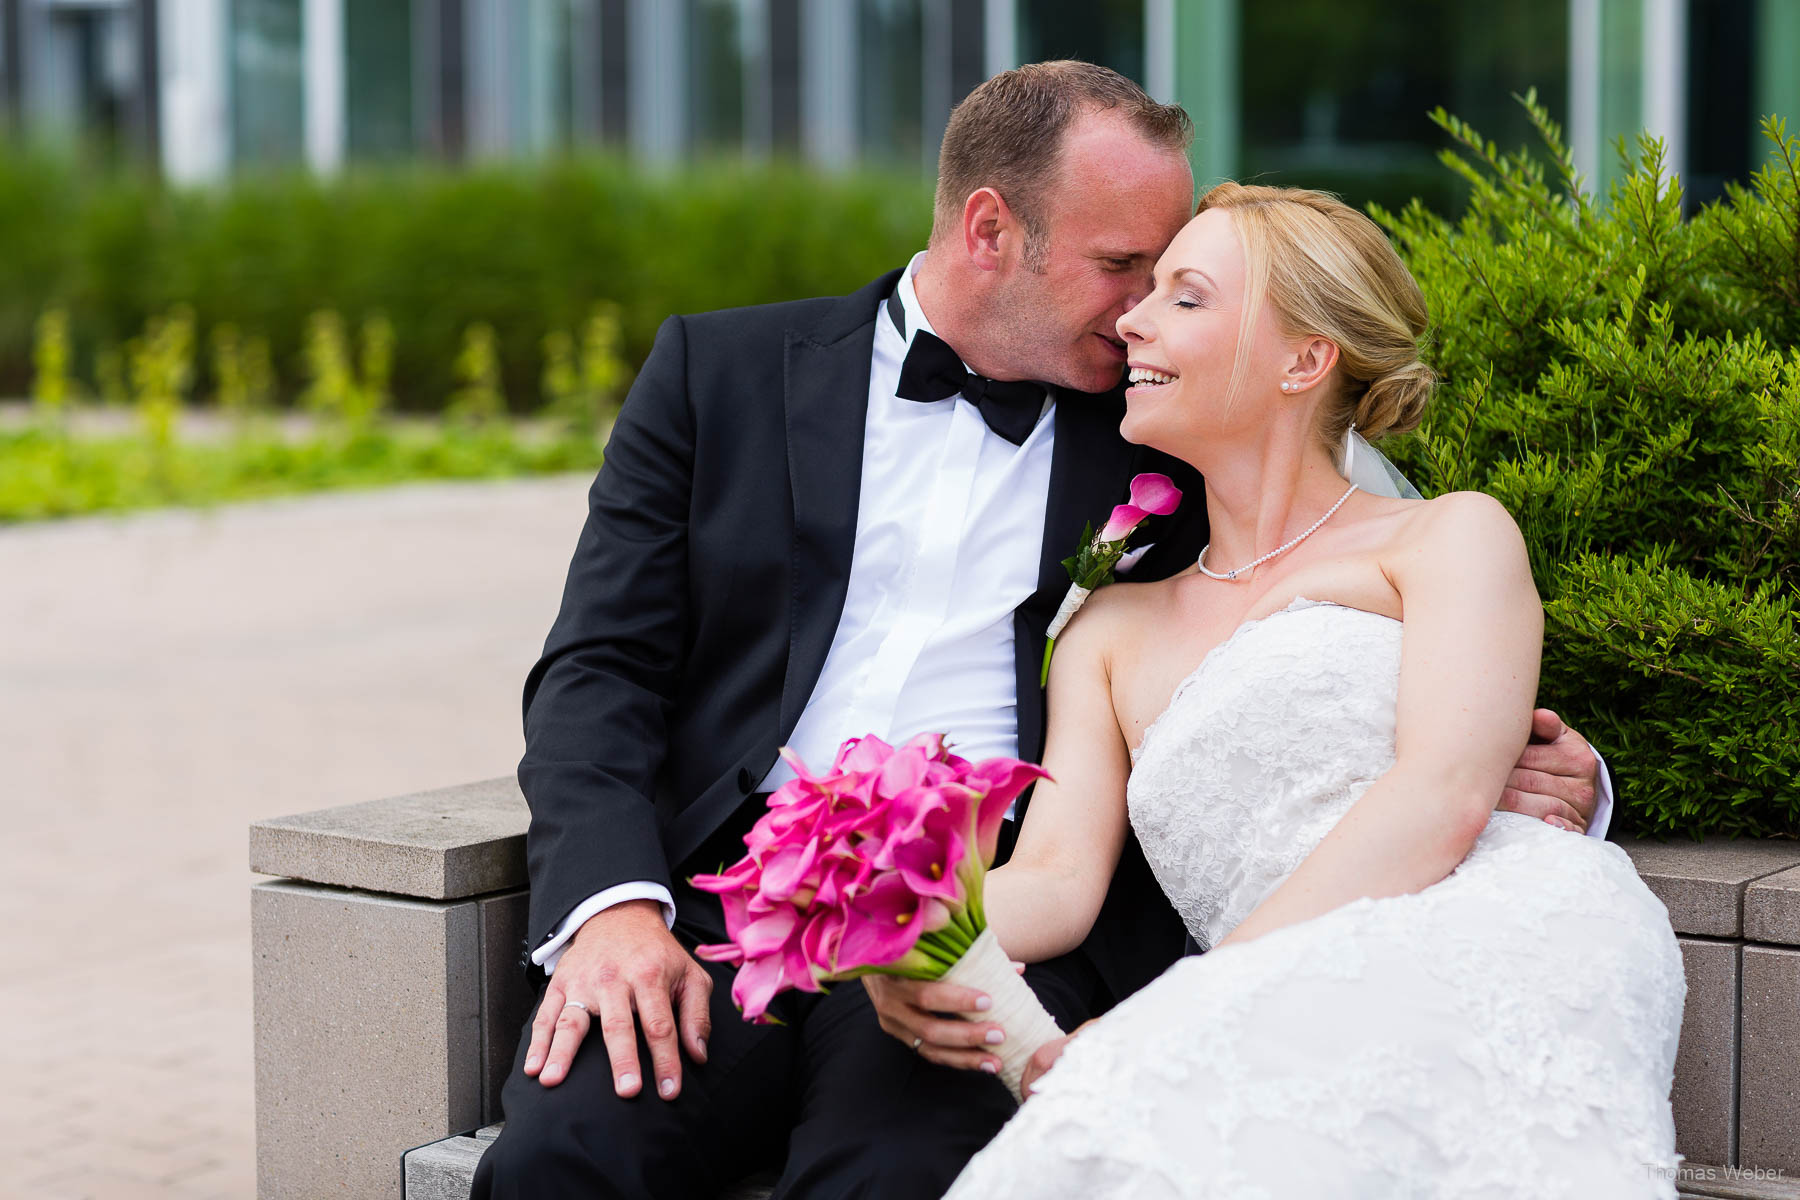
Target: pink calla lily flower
766,935
757,982
784,871
906,769
865,753
874,866
884,924
1155,494
725,952
1005,779
821,938
1152,495
928,863
1124,519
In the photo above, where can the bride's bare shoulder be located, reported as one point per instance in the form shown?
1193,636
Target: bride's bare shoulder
1116,612
1460,530
1469,514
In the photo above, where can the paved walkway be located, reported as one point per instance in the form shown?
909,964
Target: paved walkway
167,678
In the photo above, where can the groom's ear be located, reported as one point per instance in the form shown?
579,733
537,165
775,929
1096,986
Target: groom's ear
988,226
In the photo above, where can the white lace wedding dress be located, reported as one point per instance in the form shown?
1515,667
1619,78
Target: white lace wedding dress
1509,1031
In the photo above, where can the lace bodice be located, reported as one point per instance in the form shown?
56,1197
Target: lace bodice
1225,800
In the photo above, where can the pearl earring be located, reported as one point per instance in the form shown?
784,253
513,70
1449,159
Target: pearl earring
1287,387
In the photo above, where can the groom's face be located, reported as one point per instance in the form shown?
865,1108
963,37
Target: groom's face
1116,204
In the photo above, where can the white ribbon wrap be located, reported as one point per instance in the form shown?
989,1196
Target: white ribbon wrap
1071,604
1016,1007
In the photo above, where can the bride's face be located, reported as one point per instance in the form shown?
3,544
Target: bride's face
1182,342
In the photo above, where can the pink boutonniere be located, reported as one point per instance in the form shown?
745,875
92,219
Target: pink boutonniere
1092,567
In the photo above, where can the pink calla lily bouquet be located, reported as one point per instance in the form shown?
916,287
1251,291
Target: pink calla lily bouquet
876,867
1092,567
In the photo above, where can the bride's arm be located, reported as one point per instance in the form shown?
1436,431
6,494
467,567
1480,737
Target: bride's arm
1468,676
1046,897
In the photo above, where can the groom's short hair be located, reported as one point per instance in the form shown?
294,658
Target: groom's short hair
1007,134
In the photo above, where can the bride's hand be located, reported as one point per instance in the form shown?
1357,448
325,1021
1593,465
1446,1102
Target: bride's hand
1045,1057
923,1014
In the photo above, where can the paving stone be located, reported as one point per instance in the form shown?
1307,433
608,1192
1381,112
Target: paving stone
165,680
1769,1095
442,844
1702,883
1772,908
1705,1095
95,1183
368,1039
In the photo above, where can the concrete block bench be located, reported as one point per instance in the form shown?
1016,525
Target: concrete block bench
389,997
445,1170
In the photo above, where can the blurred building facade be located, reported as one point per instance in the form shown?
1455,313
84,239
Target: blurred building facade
1328,92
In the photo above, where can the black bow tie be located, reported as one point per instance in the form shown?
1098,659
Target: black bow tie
932,371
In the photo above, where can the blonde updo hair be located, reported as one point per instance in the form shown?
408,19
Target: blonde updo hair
1328,271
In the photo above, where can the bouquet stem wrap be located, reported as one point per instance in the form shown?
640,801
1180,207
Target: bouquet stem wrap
986,968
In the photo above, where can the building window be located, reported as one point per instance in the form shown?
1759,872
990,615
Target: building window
784,76
378,78
1339,100
1721,116
268,124
890,70
724,52
1107,32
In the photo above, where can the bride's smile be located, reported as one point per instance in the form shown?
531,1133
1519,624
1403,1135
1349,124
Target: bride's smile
1207,362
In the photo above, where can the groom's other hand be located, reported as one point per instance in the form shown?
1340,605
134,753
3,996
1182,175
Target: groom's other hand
627,968
923,1014
1557,779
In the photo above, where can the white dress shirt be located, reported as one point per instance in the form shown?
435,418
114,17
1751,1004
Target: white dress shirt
949,527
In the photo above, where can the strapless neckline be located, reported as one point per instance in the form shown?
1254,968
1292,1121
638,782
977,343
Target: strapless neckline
1296,605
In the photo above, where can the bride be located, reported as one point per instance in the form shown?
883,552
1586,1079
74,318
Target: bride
1407,993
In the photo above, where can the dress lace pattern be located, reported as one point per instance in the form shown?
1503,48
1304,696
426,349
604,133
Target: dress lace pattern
1508,1031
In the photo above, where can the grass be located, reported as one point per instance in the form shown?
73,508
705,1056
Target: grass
45,473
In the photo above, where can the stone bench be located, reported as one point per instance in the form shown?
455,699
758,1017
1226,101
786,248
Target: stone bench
389,997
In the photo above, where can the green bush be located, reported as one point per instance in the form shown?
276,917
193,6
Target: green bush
1628,383
433,252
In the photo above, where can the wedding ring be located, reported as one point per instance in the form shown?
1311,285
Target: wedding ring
576,1004
917,1042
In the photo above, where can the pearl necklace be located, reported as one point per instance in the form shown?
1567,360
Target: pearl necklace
1231,575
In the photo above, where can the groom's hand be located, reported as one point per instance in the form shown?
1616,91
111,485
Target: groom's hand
922,1013
626,967
1557,778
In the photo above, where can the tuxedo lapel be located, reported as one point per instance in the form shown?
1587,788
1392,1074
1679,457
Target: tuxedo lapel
1088,475
826,398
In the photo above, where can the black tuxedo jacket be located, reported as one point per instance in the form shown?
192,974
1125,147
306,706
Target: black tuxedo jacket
708,582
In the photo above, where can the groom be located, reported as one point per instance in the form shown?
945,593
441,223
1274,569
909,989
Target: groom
817,520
